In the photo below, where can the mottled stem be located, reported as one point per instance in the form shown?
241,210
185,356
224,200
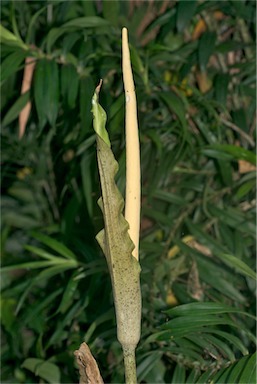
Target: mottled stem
130,365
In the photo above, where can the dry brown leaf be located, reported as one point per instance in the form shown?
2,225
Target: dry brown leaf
200,28
26,84
245,166
204,83
194,287
88,368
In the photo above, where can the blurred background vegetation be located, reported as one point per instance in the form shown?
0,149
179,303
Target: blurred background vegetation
194,69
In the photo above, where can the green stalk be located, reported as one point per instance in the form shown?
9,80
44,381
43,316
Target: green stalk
130,365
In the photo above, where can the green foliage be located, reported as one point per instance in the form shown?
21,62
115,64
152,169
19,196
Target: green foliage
194,68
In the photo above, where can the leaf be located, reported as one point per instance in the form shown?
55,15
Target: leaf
185,12
69,85
68,294
147,364
175,104
46,91
86,88
32,22
37,264
44,369
8,38
169,197
249,373
242,371
232,339
55,245
86,170
206,48
179,375
230,152
78,23
221,87
50,372
8,313
235,218
176,328
205,308
42,253
11,64
237,264
15,109
111,10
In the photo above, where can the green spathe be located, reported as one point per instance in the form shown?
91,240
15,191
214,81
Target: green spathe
99,117
115,241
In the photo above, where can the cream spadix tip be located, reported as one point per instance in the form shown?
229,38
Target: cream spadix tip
133,187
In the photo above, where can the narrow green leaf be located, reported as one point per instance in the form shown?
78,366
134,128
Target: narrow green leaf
12,63
249,373
194,324
193,376
86,89
206,48
221,87
16,108
49,372
245,188
237,264
68,295
239,372
42,253
29,265
236,371
179,375
32,312
55,245
86,22
46,91
221,346
55,270
203,308
176,106
169,197
86,171
204,378
7,312
52,97
7,37
47,273
234,218
232,339
32,22
111,11
230,152
69,85
146,365
78,23
44,369
185,12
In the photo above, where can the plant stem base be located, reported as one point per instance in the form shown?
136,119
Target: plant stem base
130,365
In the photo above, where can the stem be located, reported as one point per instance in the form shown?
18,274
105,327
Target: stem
130,365
133,189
